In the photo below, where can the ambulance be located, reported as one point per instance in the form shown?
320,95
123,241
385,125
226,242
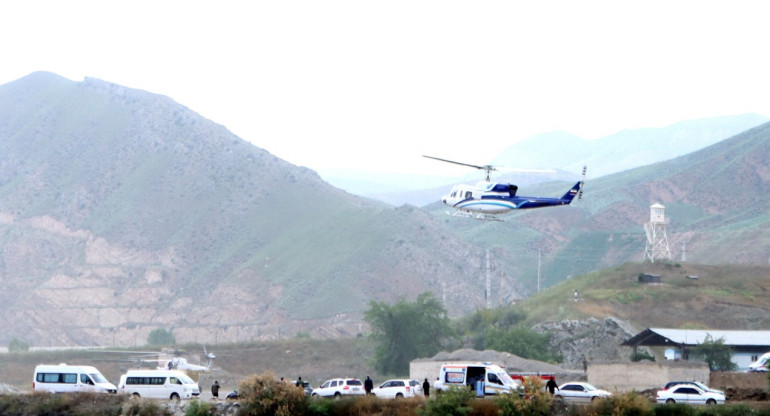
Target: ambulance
468,375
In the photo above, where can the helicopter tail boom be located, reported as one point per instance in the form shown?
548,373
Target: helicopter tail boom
574,191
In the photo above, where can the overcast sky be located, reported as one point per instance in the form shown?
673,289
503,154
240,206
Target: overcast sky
375,84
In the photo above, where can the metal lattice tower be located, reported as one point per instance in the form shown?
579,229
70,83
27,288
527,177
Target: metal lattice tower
657,241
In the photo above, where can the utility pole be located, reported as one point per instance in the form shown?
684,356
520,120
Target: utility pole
538,270
487,295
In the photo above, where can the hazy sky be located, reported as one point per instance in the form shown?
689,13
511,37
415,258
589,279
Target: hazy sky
375,84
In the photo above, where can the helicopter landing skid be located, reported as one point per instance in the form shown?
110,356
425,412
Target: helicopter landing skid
478,216
487,217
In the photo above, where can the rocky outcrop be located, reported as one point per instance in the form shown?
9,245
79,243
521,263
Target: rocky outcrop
581,342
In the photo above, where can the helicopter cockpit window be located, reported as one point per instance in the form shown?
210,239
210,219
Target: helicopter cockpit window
468,194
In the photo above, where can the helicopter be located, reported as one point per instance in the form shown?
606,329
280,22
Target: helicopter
487,199
173,360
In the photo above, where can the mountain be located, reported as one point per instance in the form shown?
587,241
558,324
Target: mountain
558,150
715,202
122,211
626,149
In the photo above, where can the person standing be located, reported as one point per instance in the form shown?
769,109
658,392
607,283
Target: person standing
215,389
368,385
551,385
426,388
299,382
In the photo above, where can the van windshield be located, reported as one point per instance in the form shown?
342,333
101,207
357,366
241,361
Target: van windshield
507,380
97,378
186,379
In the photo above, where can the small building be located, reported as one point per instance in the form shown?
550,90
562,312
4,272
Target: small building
746,346
649,278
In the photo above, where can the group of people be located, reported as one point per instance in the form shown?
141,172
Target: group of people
551,386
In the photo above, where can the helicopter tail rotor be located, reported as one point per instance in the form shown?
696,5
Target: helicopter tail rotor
582,182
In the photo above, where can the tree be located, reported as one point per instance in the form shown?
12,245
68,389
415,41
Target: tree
160,336
521,341
406,331
17,345
715,353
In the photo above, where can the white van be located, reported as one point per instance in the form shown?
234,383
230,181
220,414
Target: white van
761,363
158,384
467,375
65,378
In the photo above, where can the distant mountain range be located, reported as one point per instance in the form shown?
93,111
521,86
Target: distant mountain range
122,211
559,150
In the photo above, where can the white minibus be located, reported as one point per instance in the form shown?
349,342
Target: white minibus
158,384
65,378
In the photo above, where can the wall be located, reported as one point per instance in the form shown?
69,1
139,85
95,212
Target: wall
645,375
724,380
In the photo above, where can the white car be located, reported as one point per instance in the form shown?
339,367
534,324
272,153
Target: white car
338,387
694,383
398,389
689,394
580,392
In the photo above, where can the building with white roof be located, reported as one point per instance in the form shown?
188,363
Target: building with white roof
746,346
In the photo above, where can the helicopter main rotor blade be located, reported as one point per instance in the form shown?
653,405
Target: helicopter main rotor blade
487,167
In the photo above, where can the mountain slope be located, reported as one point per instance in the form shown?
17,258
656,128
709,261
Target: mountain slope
122,211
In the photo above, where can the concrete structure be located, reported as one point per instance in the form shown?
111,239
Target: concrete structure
746,346
645,375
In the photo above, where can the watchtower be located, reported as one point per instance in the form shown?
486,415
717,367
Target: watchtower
657,241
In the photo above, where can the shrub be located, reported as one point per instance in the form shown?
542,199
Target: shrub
142,407
452,402
626,404
262,394
17,345
677,409
534,401
198,408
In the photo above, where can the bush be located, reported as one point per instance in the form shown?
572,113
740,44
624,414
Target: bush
452,402
262,395
534,402
198,408
142,407
626,404
677,409
17,345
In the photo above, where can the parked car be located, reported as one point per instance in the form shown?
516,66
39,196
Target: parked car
689,394
398,389
307,386
580,392
338,387
693,383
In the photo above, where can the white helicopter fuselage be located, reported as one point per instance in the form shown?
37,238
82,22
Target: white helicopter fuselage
469,199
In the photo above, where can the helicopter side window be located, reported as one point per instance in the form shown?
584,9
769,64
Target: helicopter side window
468,194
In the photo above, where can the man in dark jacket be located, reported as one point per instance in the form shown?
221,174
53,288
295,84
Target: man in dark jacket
368,385
551,385
426,388
215,389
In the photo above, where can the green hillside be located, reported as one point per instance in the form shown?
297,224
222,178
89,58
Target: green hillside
721,297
